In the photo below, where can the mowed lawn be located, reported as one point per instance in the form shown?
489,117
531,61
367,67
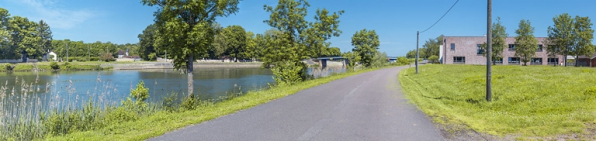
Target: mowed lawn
527,100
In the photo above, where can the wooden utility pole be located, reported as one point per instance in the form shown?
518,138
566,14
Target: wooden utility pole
417,53
489,44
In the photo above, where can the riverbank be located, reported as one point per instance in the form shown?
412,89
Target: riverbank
529,102
45,66
161,121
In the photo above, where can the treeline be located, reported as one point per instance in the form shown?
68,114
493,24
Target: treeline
19,36
232,42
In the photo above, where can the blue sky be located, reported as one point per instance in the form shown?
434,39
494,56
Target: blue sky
395,21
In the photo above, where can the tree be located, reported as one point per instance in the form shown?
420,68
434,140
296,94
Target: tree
431,47
411,54
366,43
147,43
235,41
44,34
5,49
560,36
498,40
184,28
352,59
379,59
525,42
433,59
295,38
583,35
23,37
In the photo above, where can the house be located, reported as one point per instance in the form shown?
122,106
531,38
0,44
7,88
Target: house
586,61
466,50
121,54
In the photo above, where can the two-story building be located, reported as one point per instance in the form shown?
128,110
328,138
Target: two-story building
467,50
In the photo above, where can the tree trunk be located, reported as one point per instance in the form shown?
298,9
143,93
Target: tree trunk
189,71
576,60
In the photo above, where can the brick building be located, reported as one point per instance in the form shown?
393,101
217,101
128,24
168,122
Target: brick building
466,50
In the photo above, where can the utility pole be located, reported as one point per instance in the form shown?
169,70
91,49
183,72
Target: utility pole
417,53
489,44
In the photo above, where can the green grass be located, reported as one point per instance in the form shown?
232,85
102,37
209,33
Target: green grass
45,66
528,101
162,121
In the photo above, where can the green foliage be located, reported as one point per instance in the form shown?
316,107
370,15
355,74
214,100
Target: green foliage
7,67
570,36
352,59
140,94
379,60
498,41
527,101
54,65
44,34
66,65
147,43
189,103
289,72
152,57
433,59
402,61
23,67
107,57
168,102
525,43
431,47
366,43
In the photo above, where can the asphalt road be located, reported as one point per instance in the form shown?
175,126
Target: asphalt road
368,106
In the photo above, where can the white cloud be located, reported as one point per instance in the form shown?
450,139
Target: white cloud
56,17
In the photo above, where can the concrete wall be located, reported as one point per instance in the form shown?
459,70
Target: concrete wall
466,46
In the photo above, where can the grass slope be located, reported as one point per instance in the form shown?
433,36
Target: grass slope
531,101
162,121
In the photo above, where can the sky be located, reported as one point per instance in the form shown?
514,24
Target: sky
395,21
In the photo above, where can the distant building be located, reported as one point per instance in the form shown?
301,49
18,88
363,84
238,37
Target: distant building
466,50
586,61
121,54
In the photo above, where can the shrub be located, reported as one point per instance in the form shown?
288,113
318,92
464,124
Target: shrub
7,67
288,72
433,59
402,61
189,103
140,94
54,65
107,57
152,57
93,58
66,65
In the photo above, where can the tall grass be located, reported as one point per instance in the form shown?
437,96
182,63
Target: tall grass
528,101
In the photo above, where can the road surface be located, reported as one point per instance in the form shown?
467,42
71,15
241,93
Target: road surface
368,106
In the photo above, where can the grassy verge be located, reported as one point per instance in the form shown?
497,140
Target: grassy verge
145,126
528,101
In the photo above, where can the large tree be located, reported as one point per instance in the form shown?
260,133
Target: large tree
295,38
583,35
5,50
235,41
45,37
525,43
147,48
498,40
185,28
23,37
366,43
560,36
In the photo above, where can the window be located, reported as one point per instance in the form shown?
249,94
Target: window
511,47
536,61
514,60
552,61
459,60
452,46
498,61
479,49
539,48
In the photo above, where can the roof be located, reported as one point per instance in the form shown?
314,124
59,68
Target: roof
592,57
120,52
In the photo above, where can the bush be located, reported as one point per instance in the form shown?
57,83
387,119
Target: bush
288,72
402,61
433,59
140,94
107,57
93,58
78,59
7,67
152,57
54,65
66,65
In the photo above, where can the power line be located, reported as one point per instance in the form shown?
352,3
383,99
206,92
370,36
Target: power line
441,17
